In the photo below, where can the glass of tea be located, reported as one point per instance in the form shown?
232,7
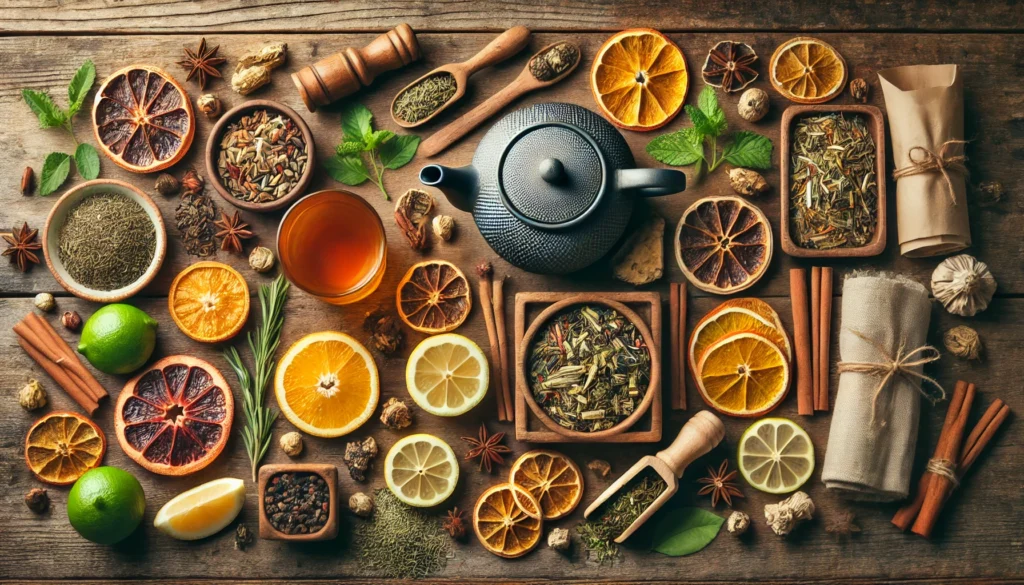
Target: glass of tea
332,245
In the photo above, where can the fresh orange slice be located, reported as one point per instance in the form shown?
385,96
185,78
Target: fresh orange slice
507,520
726,320
639,79
743,374
61,446
723,244
143,119
807,71
552,479
209,301
434,297
327,384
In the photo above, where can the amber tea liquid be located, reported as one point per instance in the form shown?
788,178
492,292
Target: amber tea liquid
332,245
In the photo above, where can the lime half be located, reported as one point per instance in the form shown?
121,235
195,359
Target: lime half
776,455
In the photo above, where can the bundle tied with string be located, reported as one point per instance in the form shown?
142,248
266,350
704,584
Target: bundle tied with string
883,351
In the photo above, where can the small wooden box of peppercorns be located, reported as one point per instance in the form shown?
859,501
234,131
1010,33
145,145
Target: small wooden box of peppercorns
298,502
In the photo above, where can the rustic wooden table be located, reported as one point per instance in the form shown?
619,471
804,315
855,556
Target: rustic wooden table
982,535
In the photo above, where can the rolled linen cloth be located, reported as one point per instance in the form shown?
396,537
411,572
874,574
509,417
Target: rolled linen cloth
882,351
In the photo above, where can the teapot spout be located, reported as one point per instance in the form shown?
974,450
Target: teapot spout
459,185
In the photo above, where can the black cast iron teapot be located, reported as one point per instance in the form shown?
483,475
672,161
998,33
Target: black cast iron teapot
551,187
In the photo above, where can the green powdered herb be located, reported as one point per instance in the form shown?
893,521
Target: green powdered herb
400,542
589,368
425,97
618,513
107,241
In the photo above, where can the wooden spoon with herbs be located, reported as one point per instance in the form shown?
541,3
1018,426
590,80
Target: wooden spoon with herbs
550,65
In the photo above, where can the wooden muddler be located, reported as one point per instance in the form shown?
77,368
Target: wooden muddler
802,341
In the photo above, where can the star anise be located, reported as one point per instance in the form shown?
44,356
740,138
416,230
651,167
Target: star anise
487,448
454,524
21,247
719,485
728,66
201,63
233,230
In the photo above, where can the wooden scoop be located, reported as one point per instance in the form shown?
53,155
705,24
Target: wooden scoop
507,44
525,83
699,435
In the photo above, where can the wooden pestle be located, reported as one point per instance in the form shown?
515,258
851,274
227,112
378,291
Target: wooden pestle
345,73
702,433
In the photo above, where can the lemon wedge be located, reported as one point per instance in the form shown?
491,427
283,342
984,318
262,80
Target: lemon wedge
203,510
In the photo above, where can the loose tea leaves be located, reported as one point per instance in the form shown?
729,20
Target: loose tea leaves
107,242
262,157
399,541
425,97
554,61
618,513
195,217
589,368
833,185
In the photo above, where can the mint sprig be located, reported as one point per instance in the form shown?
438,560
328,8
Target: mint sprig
57,165
699,144
383,149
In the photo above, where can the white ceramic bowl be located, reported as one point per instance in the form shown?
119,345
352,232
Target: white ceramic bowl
58,215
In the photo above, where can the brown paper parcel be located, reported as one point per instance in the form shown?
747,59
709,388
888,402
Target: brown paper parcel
925,106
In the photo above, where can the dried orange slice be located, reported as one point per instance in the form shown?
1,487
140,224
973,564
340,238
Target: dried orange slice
552,479
639,79
729,318
743,374
807,71
723,244
61,446
209,301
434,297
143,119
507,520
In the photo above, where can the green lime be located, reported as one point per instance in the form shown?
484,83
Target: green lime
106,505
118,339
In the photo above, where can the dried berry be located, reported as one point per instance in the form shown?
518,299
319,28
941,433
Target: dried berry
71,320
32,396
291,444
44,302
37,500
860,90
192,182
454,525
28,181
261,259
358,457
395,415
243,537
385,330
167,185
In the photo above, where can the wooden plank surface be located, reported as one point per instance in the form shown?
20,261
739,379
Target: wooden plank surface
982,538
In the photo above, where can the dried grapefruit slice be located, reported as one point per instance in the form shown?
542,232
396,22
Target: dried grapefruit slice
639,79
552,479
61,446
723,244
725,320
209,301
142,118
175,418
743,374
807,71
434,297
507,520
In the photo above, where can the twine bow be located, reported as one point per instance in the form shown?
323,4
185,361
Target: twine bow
901,365
944,162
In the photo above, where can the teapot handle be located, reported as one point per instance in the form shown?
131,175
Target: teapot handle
650,182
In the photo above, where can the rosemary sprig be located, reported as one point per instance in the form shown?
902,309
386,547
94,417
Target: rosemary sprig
263,343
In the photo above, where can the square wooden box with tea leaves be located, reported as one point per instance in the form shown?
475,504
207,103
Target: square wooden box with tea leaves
298,477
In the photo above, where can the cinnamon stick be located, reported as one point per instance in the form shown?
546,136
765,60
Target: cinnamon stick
681,357
673,327
486,292
91,385
48,352
816,330
824,340
802,340
982,434
499,320
60,376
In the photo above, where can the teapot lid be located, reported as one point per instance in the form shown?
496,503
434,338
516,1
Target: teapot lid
552,175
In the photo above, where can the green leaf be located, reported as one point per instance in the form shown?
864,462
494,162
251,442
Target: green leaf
50,116
87,161
356,123
684,531
397,152
700,121
80,85
750,150
710,113
375,139
346,148
681,148
55,171
348,170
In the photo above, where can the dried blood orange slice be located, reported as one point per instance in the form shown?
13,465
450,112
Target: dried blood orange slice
434,297
143,119
61,446
507,520
723,244
550,477
175,418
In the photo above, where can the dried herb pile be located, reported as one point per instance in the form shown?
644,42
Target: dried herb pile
425,97
618,513
400,542
107,241
554,61
262,157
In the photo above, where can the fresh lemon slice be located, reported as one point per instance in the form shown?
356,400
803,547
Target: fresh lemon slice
776,456
203,510
447,374
421,470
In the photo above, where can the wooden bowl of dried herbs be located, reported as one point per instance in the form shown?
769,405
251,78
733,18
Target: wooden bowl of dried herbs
591,367
104,240
260,156
833,181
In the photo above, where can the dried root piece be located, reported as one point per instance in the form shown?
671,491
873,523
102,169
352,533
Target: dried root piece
358,457
412,214
963,342
395,415
641,260
253,70
600,467
385,331
784,516
738,523
747,182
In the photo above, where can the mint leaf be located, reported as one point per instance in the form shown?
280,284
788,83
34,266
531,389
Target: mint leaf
346,148
87,161
684,147
375,139
356,123
80,85
348,170
397,152
749,149
684,531
50,116
55,171
707,103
